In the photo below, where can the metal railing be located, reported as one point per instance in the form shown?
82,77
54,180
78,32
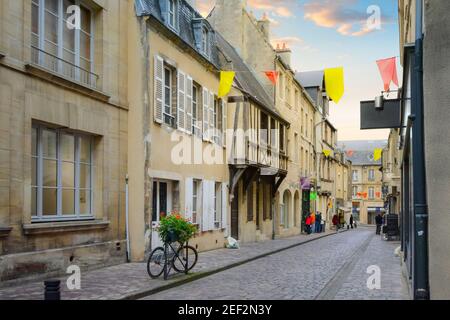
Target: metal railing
65,68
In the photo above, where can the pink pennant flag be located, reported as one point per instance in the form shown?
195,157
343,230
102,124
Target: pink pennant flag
350,153
388,70
272,76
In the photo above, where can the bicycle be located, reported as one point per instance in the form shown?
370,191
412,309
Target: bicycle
181,258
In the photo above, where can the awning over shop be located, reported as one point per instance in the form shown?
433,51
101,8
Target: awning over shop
376,209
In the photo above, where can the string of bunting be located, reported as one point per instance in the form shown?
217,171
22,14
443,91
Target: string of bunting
388,71
377,154
334,81
327,153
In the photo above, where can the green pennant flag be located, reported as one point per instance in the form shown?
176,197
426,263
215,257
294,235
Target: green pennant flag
313,196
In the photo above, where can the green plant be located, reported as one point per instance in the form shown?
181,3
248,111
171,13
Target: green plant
176,226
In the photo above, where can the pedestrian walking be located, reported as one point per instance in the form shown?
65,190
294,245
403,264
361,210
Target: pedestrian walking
342,219
351,221
308,225
313,222
379,222
318,222
336,222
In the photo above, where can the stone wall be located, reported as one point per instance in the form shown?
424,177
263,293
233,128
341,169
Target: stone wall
437,149
30,94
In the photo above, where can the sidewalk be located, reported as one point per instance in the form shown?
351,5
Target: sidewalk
131,281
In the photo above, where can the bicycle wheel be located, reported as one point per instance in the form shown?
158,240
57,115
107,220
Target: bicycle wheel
185,254
155,264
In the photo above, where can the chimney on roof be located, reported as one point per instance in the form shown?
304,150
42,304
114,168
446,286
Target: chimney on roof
264,26
284,53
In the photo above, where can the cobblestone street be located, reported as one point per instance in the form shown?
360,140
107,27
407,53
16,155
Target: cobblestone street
319,266
334,267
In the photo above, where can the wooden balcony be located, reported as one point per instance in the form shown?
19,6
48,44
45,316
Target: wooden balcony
259,155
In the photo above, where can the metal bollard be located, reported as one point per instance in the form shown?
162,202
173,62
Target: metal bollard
52,292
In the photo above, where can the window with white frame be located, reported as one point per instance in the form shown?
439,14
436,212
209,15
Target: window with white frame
169,117
218,205
218,121
196,111
355,191
57,45
62,175
371,193
355,175
371,175
205,42
172,17
196,201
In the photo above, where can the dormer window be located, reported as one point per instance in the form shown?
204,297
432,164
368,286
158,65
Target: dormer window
202,36
205,41
172,13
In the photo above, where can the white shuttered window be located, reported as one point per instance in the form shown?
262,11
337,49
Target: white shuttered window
159,89
205,98
189,103
181,101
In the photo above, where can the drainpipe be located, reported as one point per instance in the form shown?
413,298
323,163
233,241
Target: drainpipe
420,269
127,220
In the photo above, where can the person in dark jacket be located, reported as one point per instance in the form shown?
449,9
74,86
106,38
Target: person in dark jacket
308,225
318,222
335,222
379,222
351,221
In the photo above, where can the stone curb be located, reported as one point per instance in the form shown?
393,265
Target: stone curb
197,276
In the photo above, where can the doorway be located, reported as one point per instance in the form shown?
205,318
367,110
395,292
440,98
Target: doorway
235,215
161,206
306,206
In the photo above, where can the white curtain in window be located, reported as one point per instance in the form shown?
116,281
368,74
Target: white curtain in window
225,208
188,198
208,205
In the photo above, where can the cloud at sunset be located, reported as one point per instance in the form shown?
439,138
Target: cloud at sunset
280,8
338,14
289,41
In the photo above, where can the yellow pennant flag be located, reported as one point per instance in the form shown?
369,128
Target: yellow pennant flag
334,82
226,81
327,153
377,154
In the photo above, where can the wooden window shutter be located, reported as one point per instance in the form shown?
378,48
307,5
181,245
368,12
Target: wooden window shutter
159,89
189,103
224,123
205,209
181,101
205,96
212,120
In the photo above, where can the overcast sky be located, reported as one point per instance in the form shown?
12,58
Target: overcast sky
332,33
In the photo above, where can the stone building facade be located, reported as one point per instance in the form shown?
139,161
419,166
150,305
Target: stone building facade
251,38
425,184
64,136
367,179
